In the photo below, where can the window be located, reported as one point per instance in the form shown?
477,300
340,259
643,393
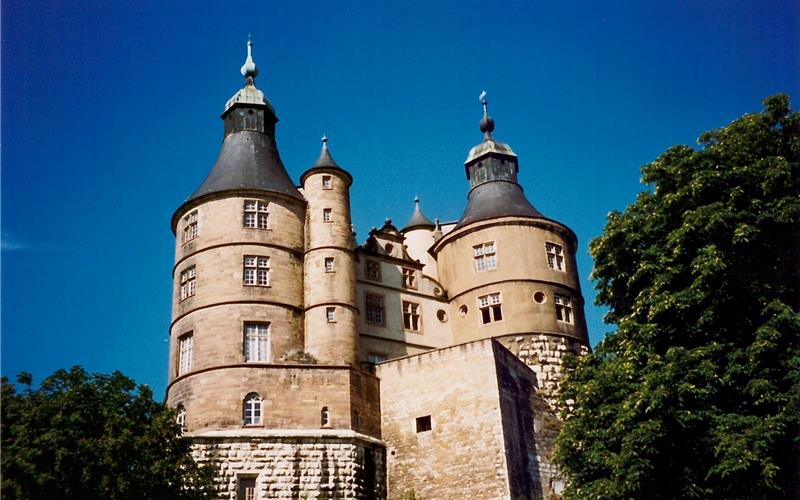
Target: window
256,341
188,284
181,418
489,306
411,316
328,264
375,358
190,227
252,409
245,488
372,270
330,314
327,182
325,417
484,255
423,424
555,256
375,309
256,214
409,279
563,308
327,215
185,345
255,271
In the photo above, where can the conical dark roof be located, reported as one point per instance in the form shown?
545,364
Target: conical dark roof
496,199
418,219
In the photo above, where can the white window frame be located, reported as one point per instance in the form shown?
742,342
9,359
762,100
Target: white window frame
485,256
190,229
330,314
409,278
555,256
255,270
256,342
564,312
375,309
255,214
185,352
327,215
327,182
329,265
188,279
490,307
252,409
412,316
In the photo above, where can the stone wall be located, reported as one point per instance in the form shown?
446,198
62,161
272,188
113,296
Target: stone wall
295,465
485,418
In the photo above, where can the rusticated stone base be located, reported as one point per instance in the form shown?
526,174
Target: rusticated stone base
295,464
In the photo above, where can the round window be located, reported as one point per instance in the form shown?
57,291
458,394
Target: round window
441,315
462,311
539,297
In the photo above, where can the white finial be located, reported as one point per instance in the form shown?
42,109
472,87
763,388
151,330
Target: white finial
249,69
416,200
324,141
482,97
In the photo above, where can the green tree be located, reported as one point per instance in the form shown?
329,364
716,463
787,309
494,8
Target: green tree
696,393
81,436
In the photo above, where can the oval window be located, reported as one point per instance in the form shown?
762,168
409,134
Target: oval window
462,311
441,315
539,297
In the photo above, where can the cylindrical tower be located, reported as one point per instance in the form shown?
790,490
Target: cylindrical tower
331,315
238,294
418,233
510,272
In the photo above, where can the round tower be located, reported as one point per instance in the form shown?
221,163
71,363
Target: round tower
418,232
331,314
238,294
510,272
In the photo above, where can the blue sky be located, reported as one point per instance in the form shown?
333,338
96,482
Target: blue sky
110,120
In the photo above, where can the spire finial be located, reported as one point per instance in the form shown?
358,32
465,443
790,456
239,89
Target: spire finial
324,141
249,70
487,123
416,200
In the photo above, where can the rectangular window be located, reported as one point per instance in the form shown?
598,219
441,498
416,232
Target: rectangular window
185,346
256,341
375,358
188,285
245,488
409,279
423,424
372,270
485,256
255,271
555,256
327,182
563,308
327,215
375,309
256,214
411,317
329,264
330,314
190,227
490,307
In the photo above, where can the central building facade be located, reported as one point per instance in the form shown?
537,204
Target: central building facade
419,363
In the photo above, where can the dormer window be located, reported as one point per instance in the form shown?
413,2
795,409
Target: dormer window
409,279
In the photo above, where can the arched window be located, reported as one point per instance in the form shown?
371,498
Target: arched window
325,417
252,409
181,418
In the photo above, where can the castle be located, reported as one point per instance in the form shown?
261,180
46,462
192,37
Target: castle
419,364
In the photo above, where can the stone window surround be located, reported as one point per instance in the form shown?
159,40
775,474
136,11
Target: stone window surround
327,182
555,256
329,265
412,316
327,215
372,270
252,410
375,309
330,314
185,348
190,229
485,256
563,305
255,270
256,345
255,214
490,308
409,278
188,282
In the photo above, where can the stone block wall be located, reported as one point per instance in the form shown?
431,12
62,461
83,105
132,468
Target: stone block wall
296,465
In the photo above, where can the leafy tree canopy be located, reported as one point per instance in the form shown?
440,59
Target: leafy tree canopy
81,436
696,393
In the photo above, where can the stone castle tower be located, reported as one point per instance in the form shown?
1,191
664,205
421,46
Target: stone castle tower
420,362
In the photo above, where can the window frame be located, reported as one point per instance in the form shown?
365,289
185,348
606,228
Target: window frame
563,307
484,256
327,182
255,214
369,267
188,282
378,305
257,272
180,418
409,276
490,310
190,226
329,264
253,410
327,215
412,316
185,353
256,334
330,314
555,256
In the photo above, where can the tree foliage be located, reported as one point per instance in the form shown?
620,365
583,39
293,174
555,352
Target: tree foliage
81,436
696,393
